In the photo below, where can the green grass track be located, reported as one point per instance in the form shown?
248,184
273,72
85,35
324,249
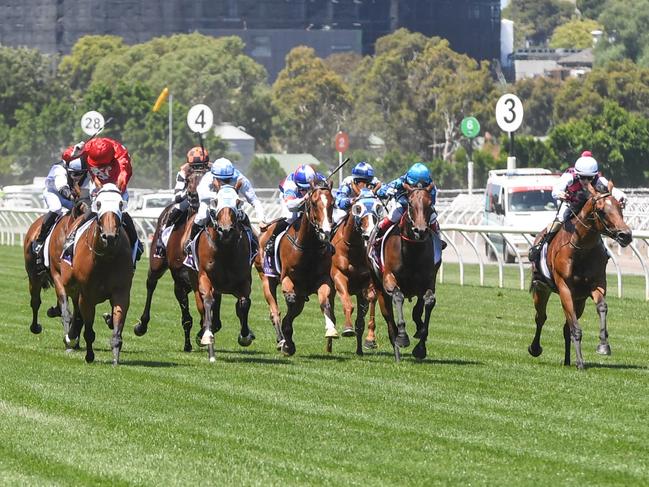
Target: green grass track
478,411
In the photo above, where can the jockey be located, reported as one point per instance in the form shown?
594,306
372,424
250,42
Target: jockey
362,177
108,162
418,175
57,196
293,189
223,170
572,191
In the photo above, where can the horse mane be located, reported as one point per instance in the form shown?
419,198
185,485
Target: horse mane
321,184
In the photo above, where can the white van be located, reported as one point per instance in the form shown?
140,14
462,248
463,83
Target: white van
518,198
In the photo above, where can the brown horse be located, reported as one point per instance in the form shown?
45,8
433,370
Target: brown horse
223,252
350,271
409,270
53,276
305,257
102,269
173,259
576,259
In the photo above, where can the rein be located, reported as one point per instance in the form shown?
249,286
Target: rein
407,217
592,215
307,211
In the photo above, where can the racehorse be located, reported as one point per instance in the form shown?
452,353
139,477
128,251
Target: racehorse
350,271
305,256
576,259
223,252
173,259
409,270
53,277
102,268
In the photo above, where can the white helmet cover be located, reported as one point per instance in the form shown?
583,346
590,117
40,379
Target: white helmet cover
586,166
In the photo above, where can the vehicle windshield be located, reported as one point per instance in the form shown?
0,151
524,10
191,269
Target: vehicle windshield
532,200
160,202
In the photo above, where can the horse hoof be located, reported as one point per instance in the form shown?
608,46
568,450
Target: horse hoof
402,341
207,338
288,349
35,328
603,349
187,347
349,332
246,341
419,352
535,352
108,318
115,362
370,344
280,344
139,329
212,360
71,343
90,357
53,312
331,333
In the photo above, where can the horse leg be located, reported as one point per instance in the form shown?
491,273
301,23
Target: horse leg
573,324
246,336
417,313
401,339
429,300
540,296
180,291
35,285
216,324
359,324
153,276
324,297
602,310
200,307
269,286
295,305
207,294
120,304
385,302
342,288
88,314
370,339
71,338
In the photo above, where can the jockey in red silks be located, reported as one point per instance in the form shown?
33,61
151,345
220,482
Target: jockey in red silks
572,191
108,161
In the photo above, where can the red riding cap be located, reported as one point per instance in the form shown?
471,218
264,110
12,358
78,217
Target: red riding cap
587,153
67,154
99,152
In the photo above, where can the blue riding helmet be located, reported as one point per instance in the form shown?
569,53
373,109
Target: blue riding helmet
222,168
363,171
303,176
418,174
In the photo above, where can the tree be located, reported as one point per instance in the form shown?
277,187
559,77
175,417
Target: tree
265,172
311,102
574,34
535,20
78,67
619,140
344,64
538,96
590,8
626,34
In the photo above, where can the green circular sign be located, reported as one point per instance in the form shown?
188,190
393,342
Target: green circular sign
470,127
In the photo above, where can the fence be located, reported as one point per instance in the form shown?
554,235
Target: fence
468,243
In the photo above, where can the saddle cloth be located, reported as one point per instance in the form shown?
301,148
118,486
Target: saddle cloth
46,245
69,258
378,260
192,262
271,265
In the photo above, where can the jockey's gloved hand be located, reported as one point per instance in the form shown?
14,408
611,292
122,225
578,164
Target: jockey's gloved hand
78,149
180,196
66,192
619,195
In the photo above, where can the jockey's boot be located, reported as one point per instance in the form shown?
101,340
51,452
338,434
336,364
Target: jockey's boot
129,226
37,244
269,249
192,235
535,250
69,240
435,228
381,228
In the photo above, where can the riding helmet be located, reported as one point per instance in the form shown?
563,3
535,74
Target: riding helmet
303,176
586,166
418,174
363,171
198,156
222,168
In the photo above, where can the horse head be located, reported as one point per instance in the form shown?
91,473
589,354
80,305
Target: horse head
195,176
420,210
319,209
108,206
224,211
367,210
607,217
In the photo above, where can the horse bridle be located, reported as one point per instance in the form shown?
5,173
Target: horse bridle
307,211
409,216
595,214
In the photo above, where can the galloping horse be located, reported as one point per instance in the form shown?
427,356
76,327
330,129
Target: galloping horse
305,258
350,271
102,269
223,252
53,277
173,260
576,260
409,270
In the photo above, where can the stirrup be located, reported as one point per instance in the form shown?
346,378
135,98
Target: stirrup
36,247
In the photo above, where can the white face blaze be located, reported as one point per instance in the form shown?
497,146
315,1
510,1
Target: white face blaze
326,224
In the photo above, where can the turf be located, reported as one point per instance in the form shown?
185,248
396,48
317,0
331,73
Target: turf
478,411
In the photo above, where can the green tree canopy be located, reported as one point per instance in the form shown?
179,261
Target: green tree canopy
538,94
626,35
576,33
311,102
590,8
78,67
535,20
265,172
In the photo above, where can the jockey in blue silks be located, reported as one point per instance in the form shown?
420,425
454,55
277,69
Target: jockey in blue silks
362,177
417,176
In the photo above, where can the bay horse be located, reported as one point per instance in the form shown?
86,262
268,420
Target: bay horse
173,259
223,253
409,270
53,277
102,268
350,270
305,256
576,260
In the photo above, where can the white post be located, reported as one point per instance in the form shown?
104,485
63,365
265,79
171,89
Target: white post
340,173
511,163
469,176
171,122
